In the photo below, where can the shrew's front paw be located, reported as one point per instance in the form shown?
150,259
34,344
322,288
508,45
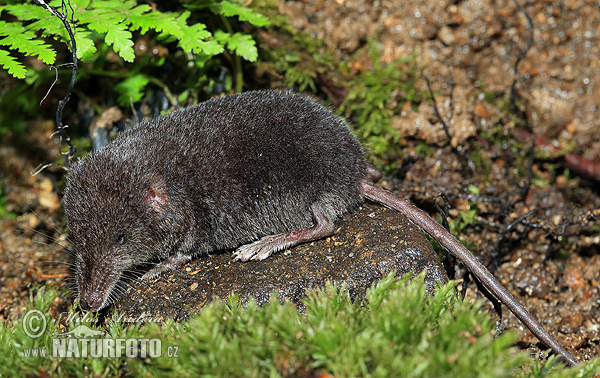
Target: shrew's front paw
170,263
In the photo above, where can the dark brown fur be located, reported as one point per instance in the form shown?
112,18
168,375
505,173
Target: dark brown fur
207,178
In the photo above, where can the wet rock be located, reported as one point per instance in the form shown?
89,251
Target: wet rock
369,243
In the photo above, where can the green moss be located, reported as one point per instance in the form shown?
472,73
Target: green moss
3,212
396,331
375,97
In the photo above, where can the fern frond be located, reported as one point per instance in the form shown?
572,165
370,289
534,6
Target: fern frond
29,12
230,9
110,21
195,40
85,45
113,22
241,44
131,88
11,64
25,42
41,20
143,19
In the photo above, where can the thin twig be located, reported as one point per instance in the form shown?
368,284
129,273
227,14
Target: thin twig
513,99
523,53
60,128
465,159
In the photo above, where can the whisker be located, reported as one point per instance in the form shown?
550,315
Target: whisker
45,235
121,282
56,262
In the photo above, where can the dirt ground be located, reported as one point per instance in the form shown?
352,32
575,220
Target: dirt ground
541,237
542,240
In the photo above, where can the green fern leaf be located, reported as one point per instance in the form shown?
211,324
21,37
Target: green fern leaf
30,12
122,43
52,27
229,9
41,19
131,88
24,41
11,64
75,4
142,18
194,41
239,43
115,21
85,45
117,33
161,22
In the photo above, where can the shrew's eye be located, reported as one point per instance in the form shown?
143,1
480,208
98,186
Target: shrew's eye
121,239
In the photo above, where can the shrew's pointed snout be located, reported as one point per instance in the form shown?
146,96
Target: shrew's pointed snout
91,301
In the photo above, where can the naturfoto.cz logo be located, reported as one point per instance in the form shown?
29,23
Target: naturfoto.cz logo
84,342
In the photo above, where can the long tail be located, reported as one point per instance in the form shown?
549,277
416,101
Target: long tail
455,247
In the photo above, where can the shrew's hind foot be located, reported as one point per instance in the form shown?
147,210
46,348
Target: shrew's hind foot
265,247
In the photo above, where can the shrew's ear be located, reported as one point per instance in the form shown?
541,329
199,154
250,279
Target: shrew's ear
157,195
